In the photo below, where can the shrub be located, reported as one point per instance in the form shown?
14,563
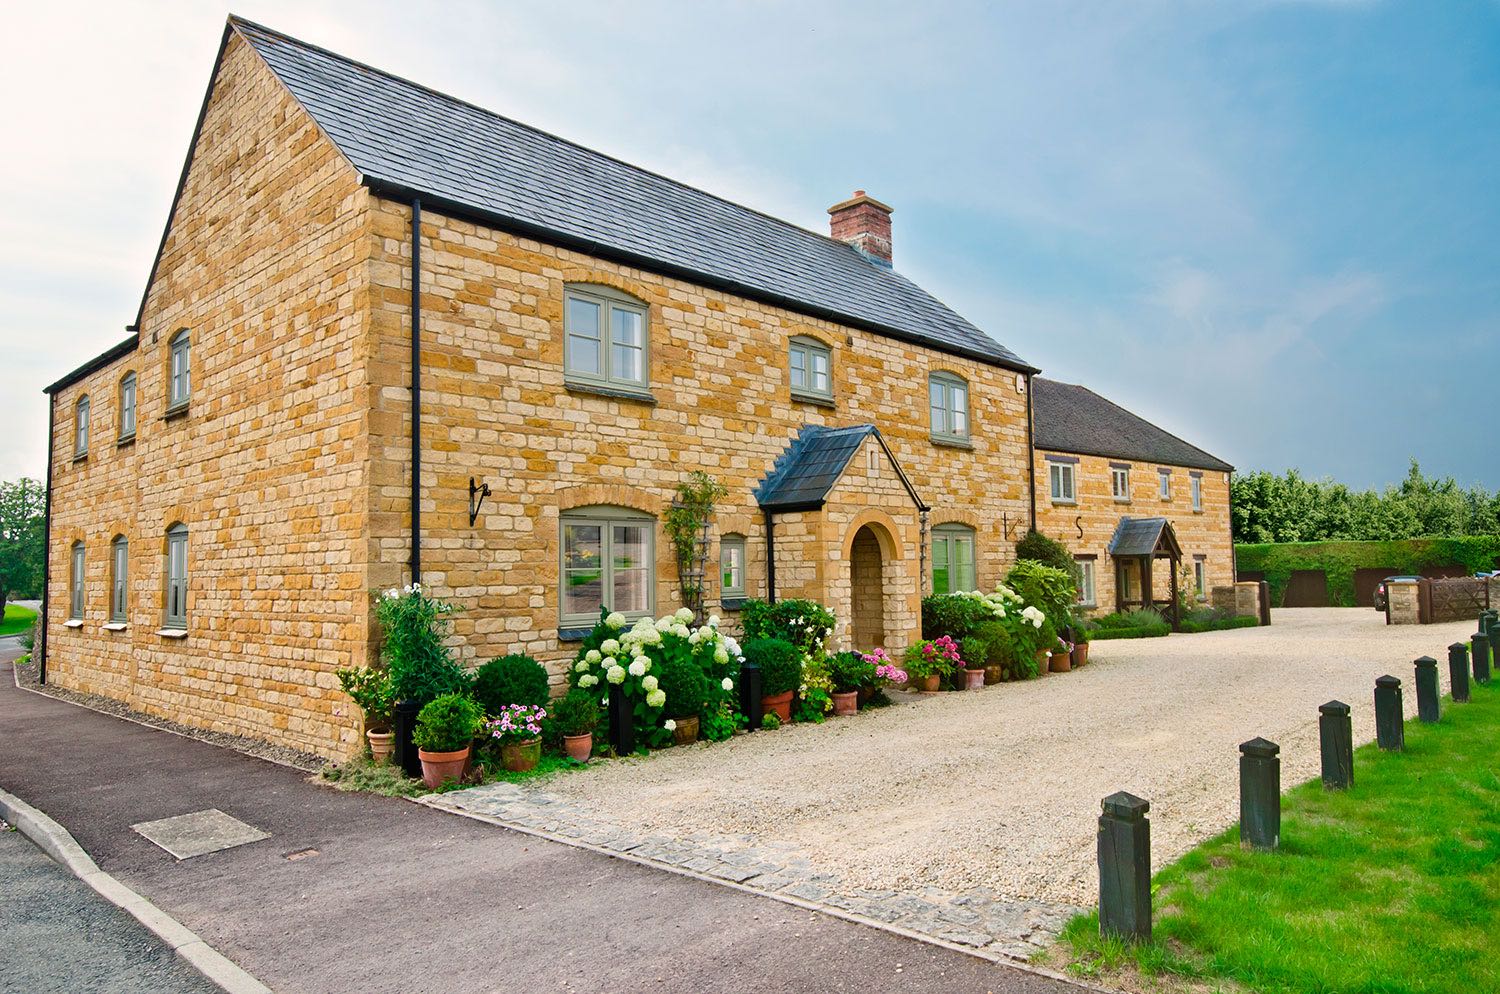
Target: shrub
576,713
448,723
514,679
957,616
517,723
371,692
686,687
850,671
31,635
815,694
415,627
1147,632
770,721
1049,589
804,623
974,652
938,656
780,664
1049,552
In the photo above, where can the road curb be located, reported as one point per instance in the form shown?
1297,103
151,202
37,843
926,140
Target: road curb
58,843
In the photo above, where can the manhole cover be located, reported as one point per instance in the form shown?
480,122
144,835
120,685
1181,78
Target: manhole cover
199,833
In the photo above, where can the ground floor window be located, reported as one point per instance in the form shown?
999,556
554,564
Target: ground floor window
732,566
175,615
952,559
119,580
608,561
75,584
1130,580
1086,594
1200,576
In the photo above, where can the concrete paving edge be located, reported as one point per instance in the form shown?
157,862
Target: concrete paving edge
58,843
435,801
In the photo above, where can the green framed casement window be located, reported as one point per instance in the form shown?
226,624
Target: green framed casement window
119,580
75,584
174,614
952,559
179,378
608,561
81,427
1119,481
1062,479
127,405
1200,576
1086,587
606,338
732,567
1164,484
948,400
811,365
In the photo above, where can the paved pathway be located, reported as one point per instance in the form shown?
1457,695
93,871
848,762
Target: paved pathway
385,895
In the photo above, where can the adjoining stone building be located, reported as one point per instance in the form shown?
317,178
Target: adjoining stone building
229,484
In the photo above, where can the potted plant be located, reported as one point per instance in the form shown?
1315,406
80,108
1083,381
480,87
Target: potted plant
1062,655
518,730
780,674
997,641
577,715
884,673
851,672
1080,643
927,662
371,691
972,653
681,678
444,736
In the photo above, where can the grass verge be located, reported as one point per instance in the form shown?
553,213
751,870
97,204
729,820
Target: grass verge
17,619
387,779
1392,887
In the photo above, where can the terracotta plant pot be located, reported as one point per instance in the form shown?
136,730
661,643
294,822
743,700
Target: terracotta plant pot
1080,654
382,745
686,732
1062,662
865,693
1043,661
579,747
778,704
927,684
993,675
846,704
440,766
518,757
973,679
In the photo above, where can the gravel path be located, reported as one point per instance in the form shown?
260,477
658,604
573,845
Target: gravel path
999,790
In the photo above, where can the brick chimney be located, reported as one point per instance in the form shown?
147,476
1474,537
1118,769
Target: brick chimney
865,223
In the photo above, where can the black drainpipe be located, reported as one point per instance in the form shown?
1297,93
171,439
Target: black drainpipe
1030,453
416,390
41,666
770,558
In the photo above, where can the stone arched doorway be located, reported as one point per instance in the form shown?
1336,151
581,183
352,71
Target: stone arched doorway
867,590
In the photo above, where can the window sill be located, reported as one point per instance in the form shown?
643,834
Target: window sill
951,442
172,633
816,399
73,623
732,603
125,440
116,626
1122,500
614,393
1060,502
1197,510
173,413
573,634
81,457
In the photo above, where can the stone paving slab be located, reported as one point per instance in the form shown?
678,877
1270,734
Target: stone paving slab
199,833
978,919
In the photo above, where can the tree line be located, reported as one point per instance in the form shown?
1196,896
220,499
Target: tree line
1292,508
22,504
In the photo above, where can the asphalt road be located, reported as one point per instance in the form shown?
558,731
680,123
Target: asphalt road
400,897
58,935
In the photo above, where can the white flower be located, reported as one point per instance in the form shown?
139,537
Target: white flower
713,621
581,666
727,683
616,674
649,684
669,725
721,655
608,662
416,588
684,615
645,662
656,698
615,620
593,655
827,632
637,668
681,631
393,593
731,645
406,589
604,702
587,680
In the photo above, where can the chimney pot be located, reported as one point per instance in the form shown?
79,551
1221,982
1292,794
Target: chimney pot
865,223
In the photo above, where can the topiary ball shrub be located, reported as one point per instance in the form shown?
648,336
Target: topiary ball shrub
576,713
1049,552
975,652
448,723
515,679
780,665
682,680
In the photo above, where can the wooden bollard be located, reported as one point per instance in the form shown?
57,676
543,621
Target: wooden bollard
1390,731
1458,671
1125,867
1481,657
1260,794
1336,739
1427,689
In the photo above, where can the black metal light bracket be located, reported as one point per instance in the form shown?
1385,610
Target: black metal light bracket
477,493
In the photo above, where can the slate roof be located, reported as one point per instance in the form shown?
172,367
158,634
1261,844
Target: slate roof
406,139
1140,537
1072,418
812,463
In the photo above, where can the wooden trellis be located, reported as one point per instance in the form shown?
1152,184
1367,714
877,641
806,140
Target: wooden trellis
692,573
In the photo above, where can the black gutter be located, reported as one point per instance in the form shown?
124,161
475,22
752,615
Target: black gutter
41,666
95,364
770,556
416,390
1031,450
402,193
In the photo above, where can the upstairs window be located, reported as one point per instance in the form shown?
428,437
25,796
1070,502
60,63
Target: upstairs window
1195,484
609,562
175,613
119,580
81,428
811,364
1164,484
127,406
179,380
606,341
1119,482
75,584
732,567
953,559
948,400
1062,477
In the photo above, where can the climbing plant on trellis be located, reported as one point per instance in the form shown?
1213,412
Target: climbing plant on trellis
688,522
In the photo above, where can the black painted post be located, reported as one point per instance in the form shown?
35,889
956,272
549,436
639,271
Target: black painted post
406,750
1458,671
621,722
1125,867
1336,737
1260,795
1481,657
1390,731
750,696
1427,689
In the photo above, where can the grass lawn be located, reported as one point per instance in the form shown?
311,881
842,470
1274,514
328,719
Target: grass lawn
1390,888
17,619
363,775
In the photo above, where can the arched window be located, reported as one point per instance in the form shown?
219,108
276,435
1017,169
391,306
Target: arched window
811,368
179,378
952,559
119,580
81,427
732,567
174,613
948,399
127,406
75,584
605,338
608,561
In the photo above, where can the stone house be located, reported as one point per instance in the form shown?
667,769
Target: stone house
229,484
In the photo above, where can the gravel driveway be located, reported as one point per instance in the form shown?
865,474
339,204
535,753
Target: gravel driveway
999,790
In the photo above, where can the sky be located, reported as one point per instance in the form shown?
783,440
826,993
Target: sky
1273,228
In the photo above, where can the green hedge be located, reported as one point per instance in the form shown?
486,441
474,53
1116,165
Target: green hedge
1146,632
1189,625
1339,560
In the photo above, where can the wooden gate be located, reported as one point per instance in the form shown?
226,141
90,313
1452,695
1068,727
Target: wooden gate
1306,588
1456,598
